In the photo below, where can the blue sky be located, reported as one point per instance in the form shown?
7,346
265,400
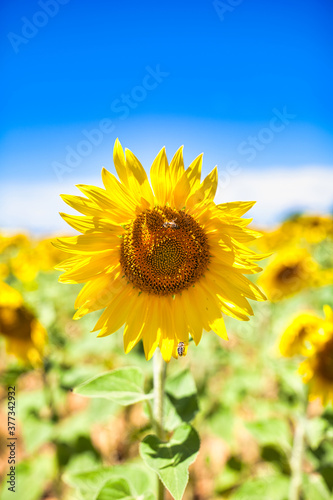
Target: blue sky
214,76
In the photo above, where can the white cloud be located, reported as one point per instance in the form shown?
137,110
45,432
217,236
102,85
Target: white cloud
278,191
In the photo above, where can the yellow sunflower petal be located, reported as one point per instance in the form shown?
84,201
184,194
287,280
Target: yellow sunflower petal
135,323
87,243
118,214
137,179
235,208
86,224
160,178
194,172
116,313
192,316
90,267
177,166
120,163
151,333
82,205
206,191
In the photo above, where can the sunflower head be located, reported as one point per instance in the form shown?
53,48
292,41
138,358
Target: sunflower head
291,271
317,369
160,257
24,335
314,228
302,336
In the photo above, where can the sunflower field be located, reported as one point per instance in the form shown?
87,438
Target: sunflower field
137,412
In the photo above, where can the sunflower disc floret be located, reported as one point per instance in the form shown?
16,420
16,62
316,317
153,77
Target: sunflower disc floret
164,251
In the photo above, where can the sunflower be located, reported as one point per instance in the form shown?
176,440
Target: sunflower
165,261
314,228
35,256
317,370
297,230
24,335
291,271
302,335
281,237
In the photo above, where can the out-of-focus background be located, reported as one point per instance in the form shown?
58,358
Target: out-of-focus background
249,84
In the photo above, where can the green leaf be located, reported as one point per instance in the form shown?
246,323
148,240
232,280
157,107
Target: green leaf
91,482
115,489
227,479
315,488
182,396
315,431
171,460
124,386
222,423
31,477
272,488
36,431
272,431
119,489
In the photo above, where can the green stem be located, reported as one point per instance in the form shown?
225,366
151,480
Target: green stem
48,392
296,460
159,379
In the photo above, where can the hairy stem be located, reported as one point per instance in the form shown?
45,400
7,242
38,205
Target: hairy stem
159,379
297,460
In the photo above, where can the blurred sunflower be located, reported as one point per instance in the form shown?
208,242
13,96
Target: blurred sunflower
24,335
291,271
165,262
314,228
282,236
317,370
33,257
301,336
311,229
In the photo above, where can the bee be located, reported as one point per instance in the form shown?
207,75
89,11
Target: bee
181,349
172,223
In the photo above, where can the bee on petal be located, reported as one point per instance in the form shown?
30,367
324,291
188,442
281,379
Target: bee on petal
181,351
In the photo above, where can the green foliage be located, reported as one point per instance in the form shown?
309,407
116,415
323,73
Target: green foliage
123,386
31,477
117,489
182,400
171,460
315,488
315,431
272,431
131,480
268,487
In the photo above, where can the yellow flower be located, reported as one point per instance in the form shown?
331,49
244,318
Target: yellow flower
9,245
317,370
302,228
283,236
314,228
291,271
24,335
35,256
302,335
165,262
11,242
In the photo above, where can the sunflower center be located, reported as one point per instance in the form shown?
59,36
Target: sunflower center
325,362
15,323
288,273
164,251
